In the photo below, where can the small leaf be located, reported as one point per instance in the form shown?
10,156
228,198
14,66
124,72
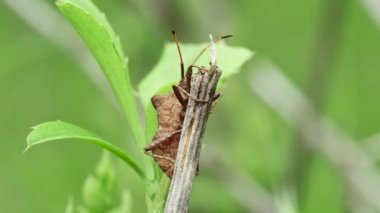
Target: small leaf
105,46
93,195
100,189
230,59
56,130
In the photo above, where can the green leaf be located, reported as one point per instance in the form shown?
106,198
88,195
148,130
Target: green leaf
57,130
105,46
230,59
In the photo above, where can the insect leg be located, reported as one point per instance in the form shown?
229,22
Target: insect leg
189,95
217,97
179,95
215,100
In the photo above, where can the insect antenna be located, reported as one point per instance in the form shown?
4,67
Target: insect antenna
180,55
208,46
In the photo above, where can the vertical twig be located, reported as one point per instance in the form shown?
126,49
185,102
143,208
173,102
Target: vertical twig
203,85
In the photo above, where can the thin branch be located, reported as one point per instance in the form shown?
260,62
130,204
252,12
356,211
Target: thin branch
203,86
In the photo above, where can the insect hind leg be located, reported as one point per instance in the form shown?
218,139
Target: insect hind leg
182,90
178,94
215,100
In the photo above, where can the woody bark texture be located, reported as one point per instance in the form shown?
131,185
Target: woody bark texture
203,86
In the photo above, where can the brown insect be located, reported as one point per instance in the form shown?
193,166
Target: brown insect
171,109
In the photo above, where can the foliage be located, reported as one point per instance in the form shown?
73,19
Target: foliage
105,46
51,131
252,157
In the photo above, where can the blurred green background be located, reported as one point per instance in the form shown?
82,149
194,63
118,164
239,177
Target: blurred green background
255,159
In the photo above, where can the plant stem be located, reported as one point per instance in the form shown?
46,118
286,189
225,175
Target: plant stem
203,87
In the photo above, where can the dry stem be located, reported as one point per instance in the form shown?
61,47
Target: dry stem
203,86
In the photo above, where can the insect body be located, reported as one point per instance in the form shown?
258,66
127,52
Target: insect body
171,109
